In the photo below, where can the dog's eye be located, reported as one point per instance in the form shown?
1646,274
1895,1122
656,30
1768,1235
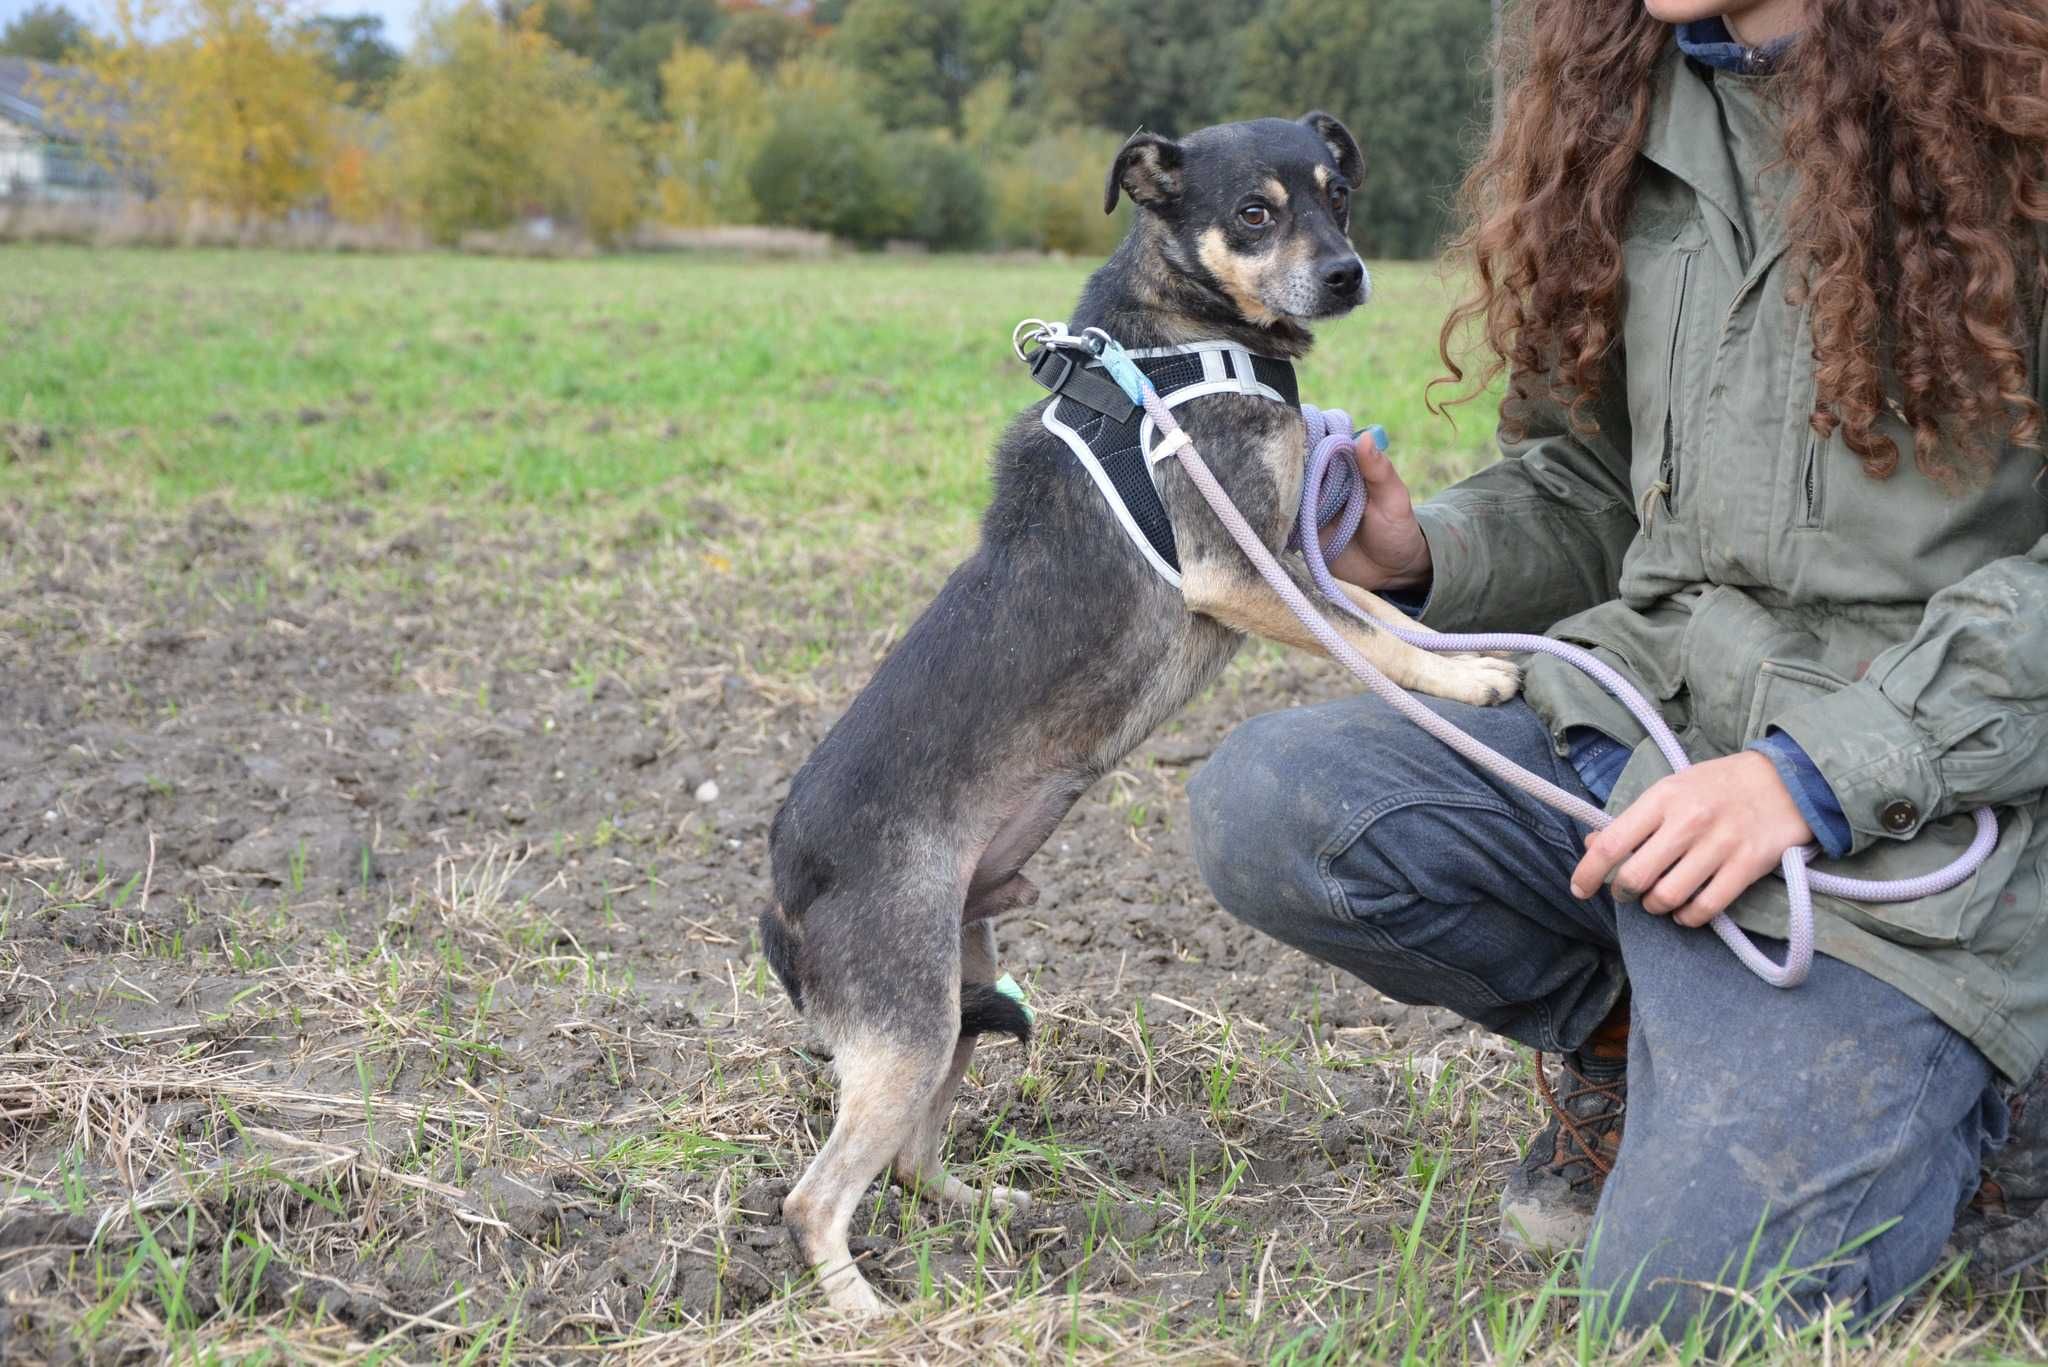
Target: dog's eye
1340,198
1255,215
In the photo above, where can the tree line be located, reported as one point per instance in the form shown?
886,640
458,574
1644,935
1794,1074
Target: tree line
958,123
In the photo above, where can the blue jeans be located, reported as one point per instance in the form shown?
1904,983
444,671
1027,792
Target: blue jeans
1814,1115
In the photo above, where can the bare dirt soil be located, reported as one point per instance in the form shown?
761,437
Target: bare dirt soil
377,948
376,972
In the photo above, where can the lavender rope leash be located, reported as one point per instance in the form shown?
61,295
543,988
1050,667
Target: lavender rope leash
1322,493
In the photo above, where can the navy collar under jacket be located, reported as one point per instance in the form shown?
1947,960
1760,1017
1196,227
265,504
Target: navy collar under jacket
1708,42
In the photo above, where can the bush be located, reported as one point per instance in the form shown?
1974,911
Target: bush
821,167
1048,196
944,197
826,164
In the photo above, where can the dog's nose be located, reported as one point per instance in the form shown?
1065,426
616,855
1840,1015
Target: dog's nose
1344,276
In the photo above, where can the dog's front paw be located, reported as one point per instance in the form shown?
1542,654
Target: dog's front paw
1479,679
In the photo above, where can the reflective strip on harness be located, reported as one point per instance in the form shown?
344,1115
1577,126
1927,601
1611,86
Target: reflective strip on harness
1119,456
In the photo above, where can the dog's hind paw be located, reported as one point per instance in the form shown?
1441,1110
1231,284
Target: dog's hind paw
850,1294
1003,1202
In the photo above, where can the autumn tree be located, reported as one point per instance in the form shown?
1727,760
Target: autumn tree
219,102
356,54
45,33
913,52
1004,35
492,122
718,112
763,35
629,40
1087,74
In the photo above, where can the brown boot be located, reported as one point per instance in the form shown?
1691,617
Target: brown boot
1550,1198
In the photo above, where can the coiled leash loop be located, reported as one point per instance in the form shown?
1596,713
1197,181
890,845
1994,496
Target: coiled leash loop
1333,495
1333,489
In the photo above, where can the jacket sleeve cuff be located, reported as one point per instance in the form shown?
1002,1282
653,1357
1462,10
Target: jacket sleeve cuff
1456,576
1810,792
1876,762
1414,602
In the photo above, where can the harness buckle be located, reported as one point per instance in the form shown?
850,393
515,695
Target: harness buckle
1057,356
1061,365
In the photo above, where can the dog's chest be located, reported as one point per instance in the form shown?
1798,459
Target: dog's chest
1283,453
1259,449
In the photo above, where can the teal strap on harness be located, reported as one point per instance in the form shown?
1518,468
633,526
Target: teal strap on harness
1123,370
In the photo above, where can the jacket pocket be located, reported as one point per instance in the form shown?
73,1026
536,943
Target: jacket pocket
1781,686
1945,919
1812,483
1668,470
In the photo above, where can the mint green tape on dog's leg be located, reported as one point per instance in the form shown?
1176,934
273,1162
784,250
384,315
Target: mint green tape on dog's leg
1007,985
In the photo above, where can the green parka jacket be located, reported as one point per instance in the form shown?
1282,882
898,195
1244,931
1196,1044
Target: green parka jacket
1750,576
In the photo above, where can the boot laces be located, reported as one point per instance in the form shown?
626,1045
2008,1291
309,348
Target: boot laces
1587,1134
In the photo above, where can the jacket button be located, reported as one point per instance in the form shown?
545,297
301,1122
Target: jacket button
1899,816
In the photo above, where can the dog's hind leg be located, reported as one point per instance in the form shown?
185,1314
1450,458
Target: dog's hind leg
920,1163
885,1081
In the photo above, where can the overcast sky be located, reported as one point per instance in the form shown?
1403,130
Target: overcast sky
396,14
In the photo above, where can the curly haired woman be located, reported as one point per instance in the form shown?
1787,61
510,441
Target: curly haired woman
1767,281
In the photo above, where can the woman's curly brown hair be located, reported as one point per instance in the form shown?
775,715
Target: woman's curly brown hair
1919,133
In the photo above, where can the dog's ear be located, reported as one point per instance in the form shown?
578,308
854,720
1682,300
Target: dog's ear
1147,169
1343,147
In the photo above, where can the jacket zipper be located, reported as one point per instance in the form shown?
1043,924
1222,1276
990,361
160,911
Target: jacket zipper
1811,483
1667,469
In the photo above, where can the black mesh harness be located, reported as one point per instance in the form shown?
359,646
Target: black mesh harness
1114,439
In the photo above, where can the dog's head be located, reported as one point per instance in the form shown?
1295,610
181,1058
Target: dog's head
1254,214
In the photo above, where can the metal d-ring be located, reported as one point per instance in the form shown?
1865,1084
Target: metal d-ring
1094,341
1041,332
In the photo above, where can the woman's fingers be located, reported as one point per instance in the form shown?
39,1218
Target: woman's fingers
1682,881
1648,866
1729,883
1606,849
1384,487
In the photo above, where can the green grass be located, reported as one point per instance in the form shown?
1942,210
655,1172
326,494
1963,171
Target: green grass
843,390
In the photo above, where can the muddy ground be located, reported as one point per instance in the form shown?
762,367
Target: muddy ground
376,971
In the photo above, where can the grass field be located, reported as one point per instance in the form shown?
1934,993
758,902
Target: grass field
841,390
400,660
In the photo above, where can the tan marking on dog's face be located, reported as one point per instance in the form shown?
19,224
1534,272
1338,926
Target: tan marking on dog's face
1238,275
1322,177
1276,192
1277,281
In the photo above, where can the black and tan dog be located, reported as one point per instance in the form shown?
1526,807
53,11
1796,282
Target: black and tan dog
1048,656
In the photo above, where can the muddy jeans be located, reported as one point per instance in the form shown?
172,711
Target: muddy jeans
1820,1114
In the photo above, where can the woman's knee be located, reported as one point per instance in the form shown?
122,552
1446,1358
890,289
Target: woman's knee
1254,842
1271,801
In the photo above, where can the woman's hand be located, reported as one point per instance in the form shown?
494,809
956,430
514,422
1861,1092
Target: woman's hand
1695,841
1388,552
